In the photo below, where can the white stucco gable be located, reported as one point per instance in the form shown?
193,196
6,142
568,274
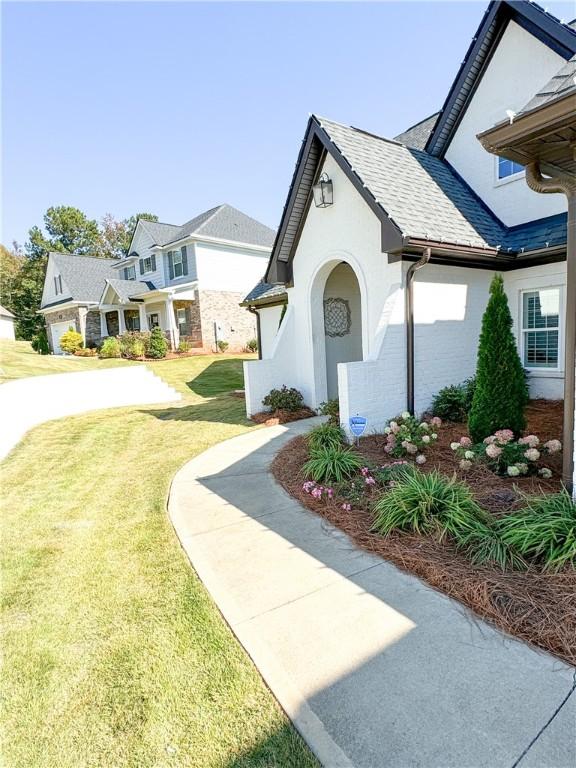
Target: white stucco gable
520,65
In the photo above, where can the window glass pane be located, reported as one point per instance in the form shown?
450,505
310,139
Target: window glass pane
508,168
541,349
181,314
541,309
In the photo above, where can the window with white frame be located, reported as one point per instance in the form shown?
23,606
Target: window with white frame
58,284
153,320
177,262
181,316
508,168
147,265
541,328
130,273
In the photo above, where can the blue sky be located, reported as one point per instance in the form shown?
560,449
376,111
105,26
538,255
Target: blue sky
173,108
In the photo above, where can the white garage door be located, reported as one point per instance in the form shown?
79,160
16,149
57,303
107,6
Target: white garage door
57,330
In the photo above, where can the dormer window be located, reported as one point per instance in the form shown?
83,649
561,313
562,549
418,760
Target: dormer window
508,168
58,284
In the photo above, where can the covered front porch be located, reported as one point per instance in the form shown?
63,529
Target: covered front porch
177,314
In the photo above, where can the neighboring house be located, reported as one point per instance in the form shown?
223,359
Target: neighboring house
361,323
6,324
189,280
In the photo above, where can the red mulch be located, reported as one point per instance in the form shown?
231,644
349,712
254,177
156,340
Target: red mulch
281,416
537,607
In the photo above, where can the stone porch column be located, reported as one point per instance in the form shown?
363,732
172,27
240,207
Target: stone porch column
103,325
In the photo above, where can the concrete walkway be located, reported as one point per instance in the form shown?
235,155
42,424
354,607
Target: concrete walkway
375,669
27,402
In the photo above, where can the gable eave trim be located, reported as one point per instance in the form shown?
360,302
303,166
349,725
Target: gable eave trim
392,239
499,13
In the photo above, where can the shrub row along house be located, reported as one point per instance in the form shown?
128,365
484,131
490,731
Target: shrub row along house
380,270
188,280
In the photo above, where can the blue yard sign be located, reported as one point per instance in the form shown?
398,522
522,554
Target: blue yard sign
357,425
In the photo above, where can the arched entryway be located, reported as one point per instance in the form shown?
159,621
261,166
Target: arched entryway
341,323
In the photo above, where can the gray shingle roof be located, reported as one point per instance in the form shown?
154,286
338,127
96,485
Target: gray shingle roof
264,292
557,87
417,135
223,222
422,195
85,276
126,289
541,233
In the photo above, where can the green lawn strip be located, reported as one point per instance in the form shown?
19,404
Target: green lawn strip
114,654
18,360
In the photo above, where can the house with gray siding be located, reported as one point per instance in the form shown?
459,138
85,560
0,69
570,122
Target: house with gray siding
187,279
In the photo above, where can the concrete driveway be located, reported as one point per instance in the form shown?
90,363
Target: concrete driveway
24,403
375,668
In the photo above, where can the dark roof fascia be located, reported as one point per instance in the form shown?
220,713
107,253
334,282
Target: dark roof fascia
273,301
476,261
391,236
535,20
70,300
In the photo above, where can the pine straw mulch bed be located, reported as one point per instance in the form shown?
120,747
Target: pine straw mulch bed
537,607
282,416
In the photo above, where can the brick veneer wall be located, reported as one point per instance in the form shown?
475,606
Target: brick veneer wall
72,314
237,324
193,319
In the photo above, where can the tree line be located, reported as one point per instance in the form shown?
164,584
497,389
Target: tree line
66,230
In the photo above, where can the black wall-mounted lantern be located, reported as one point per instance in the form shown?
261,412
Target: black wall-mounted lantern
323,192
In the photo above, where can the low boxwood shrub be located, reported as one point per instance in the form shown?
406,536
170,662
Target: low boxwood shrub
325,436
331,408
110,348
544,530
71,341
284,399
431,504
331,464
223,345
453,403
252,345
157,346
133,344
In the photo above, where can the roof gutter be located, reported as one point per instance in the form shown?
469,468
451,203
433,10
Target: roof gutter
567,186
254,311
409,312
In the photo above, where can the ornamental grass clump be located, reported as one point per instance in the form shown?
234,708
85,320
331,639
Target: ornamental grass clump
325,436
434,505
506,456
408,436
501,392
331,464
543,531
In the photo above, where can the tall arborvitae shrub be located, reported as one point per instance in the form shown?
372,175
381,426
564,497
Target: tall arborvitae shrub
501,393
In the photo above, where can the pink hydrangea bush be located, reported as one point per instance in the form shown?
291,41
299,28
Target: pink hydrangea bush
507,456
407,436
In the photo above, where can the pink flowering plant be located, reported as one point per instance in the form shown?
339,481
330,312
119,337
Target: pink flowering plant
407,436
507,456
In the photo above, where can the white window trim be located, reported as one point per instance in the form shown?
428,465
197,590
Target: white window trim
149,317
144,270
133,268
178,311
542,370
498,182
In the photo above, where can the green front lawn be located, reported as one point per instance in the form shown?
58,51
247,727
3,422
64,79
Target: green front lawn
114,654
18,359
